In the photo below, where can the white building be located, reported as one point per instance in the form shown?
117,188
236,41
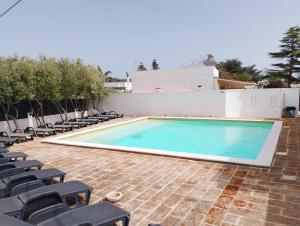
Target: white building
120,86
177,80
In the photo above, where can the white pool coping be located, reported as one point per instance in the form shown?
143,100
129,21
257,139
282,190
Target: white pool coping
264,158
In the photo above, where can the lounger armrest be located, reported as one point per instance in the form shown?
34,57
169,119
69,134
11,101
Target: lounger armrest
47,213
25,187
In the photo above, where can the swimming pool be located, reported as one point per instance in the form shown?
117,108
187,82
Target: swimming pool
236,141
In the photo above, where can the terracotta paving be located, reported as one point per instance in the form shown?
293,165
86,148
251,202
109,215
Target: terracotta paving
174,191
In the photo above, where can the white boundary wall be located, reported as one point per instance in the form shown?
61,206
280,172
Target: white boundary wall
252,103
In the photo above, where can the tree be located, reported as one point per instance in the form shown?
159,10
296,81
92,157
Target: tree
15,80
108,77
233,69
141,67
209,60
47,80
37,84
155,65
275,84
289,55
230,66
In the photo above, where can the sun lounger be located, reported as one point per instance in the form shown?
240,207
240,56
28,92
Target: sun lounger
12,156
88,121
22,206
114,113
96,113
27,181
105,115
101,118
9,140
38,131
117,115
14,168
98,118
100,214
103,213
59,128
74,124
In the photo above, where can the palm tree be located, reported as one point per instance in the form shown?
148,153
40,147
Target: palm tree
107,77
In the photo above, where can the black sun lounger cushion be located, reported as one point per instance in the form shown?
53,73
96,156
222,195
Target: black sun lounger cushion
22,181
16,205
99,214
12,156
13,168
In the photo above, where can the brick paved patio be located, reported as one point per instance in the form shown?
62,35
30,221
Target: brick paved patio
174,191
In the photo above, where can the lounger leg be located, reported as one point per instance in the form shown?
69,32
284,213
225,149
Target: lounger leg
125,221
62,178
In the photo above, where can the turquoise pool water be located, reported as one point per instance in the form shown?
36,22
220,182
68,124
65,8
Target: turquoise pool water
238,139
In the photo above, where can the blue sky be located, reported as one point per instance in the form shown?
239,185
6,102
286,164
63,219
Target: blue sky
117,34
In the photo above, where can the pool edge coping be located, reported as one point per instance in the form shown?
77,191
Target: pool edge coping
264,158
